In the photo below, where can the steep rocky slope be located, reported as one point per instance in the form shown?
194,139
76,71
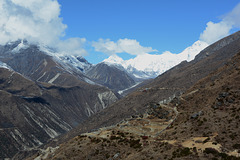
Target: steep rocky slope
42,97
172,83
203,123
65,95
40,64
26,119
33,113
110,76
43,64
77,62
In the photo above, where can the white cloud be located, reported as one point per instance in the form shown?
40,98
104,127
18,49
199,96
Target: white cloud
73,46
233,18
216,31
37,21
129,46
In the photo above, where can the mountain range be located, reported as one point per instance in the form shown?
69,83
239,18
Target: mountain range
129,73
147,66
202,123
172,83
42,97
49,97
183,113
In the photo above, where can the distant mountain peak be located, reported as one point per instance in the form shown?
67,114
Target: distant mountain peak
22,44
77,62
147,66
114,59
190,52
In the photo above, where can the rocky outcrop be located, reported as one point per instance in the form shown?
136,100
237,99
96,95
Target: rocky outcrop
110,76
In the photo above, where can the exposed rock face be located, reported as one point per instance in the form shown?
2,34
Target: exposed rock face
77,62
42,98
32,62
110,76
26,119
44,65
230,40
107,98
32,113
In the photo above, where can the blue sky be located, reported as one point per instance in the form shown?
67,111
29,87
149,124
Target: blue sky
163,25
97,29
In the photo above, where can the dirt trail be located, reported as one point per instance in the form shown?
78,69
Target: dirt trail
147,125
171,121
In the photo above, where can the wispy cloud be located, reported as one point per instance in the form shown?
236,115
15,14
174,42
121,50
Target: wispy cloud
73,46
36,21
130,46
216,31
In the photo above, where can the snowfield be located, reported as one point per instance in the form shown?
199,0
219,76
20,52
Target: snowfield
147,66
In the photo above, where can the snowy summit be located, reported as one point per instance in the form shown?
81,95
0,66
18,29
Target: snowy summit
150,66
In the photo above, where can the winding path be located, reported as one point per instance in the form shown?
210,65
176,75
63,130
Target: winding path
172,120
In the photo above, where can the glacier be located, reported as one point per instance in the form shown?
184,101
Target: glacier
146,66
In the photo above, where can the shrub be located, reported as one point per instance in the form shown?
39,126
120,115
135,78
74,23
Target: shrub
107,156
185,152
121,134
135,143
181,152
210,151
95,140
232,136
114,138
236,146
206,140
223,155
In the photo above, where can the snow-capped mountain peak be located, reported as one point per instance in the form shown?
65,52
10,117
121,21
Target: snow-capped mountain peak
76,61
68,61
114,59
190,52
150,66
22,45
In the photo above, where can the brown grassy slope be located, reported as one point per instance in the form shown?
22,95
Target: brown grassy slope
174,81
214,134
218,97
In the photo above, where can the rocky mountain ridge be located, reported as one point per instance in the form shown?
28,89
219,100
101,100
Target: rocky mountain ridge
130,72
111,77
41,98
202,124
62,92
46,65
